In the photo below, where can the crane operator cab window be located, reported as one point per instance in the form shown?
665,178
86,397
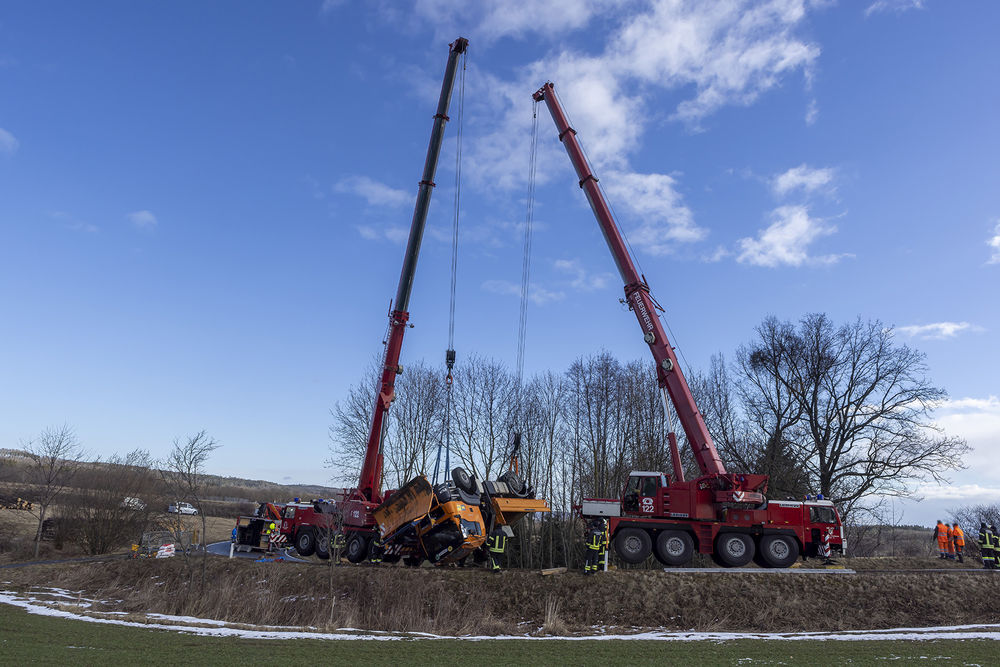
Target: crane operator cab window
820,514
641,492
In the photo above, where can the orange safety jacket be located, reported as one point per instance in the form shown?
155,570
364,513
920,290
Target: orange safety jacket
941,532
959,536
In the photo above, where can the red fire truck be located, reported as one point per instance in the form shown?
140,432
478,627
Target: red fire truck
719,513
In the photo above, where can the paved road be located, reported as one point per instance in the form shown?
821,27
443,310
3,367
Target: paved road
222,549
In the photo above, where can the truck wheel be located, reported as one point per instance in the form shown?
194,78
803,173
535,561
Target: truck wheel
734,549
514,483
463,480
633,545
323,545
357,548
778,550
674,547
305,542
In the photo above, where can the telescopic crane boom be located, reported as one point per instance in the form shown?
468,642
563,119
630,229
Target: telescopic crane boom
639,301
369,485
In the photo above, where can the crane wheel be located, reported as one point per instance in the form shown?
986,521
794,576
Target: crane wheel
305,542
674,547
633,545
323,545
357,548
778,550
734,549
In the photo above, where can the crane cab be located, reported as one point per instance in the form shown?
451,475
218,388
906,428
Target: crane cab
644,493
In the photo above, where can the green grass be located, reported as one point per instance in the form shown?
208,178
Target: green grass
26,638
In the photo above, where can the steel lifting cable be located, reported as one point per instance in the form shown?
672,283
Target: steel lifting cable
526,261
450,352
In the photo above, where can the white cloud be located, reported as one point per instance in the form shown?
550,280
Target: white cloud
537,295
897,6
374,192
8,143
812,112
491,21
978,421
579,278
967,493
937,330
393,233
708,55
142,219
329,5
802,177
666,221
994,243
786,241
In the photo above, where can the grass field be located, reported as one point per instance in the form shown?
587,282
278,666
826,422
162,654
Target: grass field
27,638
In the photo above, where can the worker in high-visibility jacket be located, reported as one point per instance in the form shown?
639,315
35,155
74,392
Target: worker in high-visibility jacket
376,550
593,539
986,546
941,535
950,546
602,556
496,544
958,539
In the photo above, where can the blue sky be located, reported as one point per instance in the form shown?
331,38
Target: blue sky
203,205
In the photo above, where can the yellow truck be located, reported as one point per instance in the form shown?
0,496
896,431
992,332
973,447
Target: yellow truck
451,521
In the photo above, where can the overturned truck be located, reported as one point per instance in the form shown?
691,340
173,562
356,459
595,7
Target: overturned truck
449,522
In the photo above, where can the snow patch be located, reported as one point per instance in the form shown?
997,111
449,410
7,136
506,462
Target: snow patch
221,629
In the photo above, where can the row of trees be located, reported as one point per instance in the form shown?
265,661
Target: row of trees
841,410
108,503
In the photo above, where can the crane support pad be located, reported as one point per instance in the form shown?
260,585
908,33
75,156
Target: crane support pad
408,503
510,510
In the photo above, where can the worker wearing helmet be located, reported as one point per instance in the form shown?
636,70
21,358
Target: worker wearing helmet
593,539
602,555
958,537
986,546
496,544
376,550
941,535
994,545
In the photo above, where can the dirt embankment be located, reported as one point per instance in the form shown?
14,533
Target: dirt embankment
453,601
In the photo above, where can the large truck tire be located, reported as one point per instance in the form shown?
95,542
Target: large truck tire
305,542
514,483
778,550
323,545
633,545
463,480
357,548
674,547
734,549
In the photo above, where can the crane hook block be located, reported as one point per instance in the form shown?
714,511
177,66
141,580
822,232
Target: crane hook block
650,338
449,358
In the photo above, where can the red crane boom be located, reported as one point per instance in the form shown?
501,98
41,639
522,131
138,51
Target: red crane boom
639,301
369,484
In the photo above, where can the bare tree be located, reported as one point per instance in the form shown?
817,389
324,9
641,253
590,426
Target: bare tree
55,457
119,506
184,472
850,405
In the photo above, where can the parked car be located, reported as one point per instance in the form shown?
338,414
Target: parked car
182,508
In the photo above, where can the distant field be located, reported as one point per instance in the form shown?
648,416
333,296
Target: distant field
26,638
